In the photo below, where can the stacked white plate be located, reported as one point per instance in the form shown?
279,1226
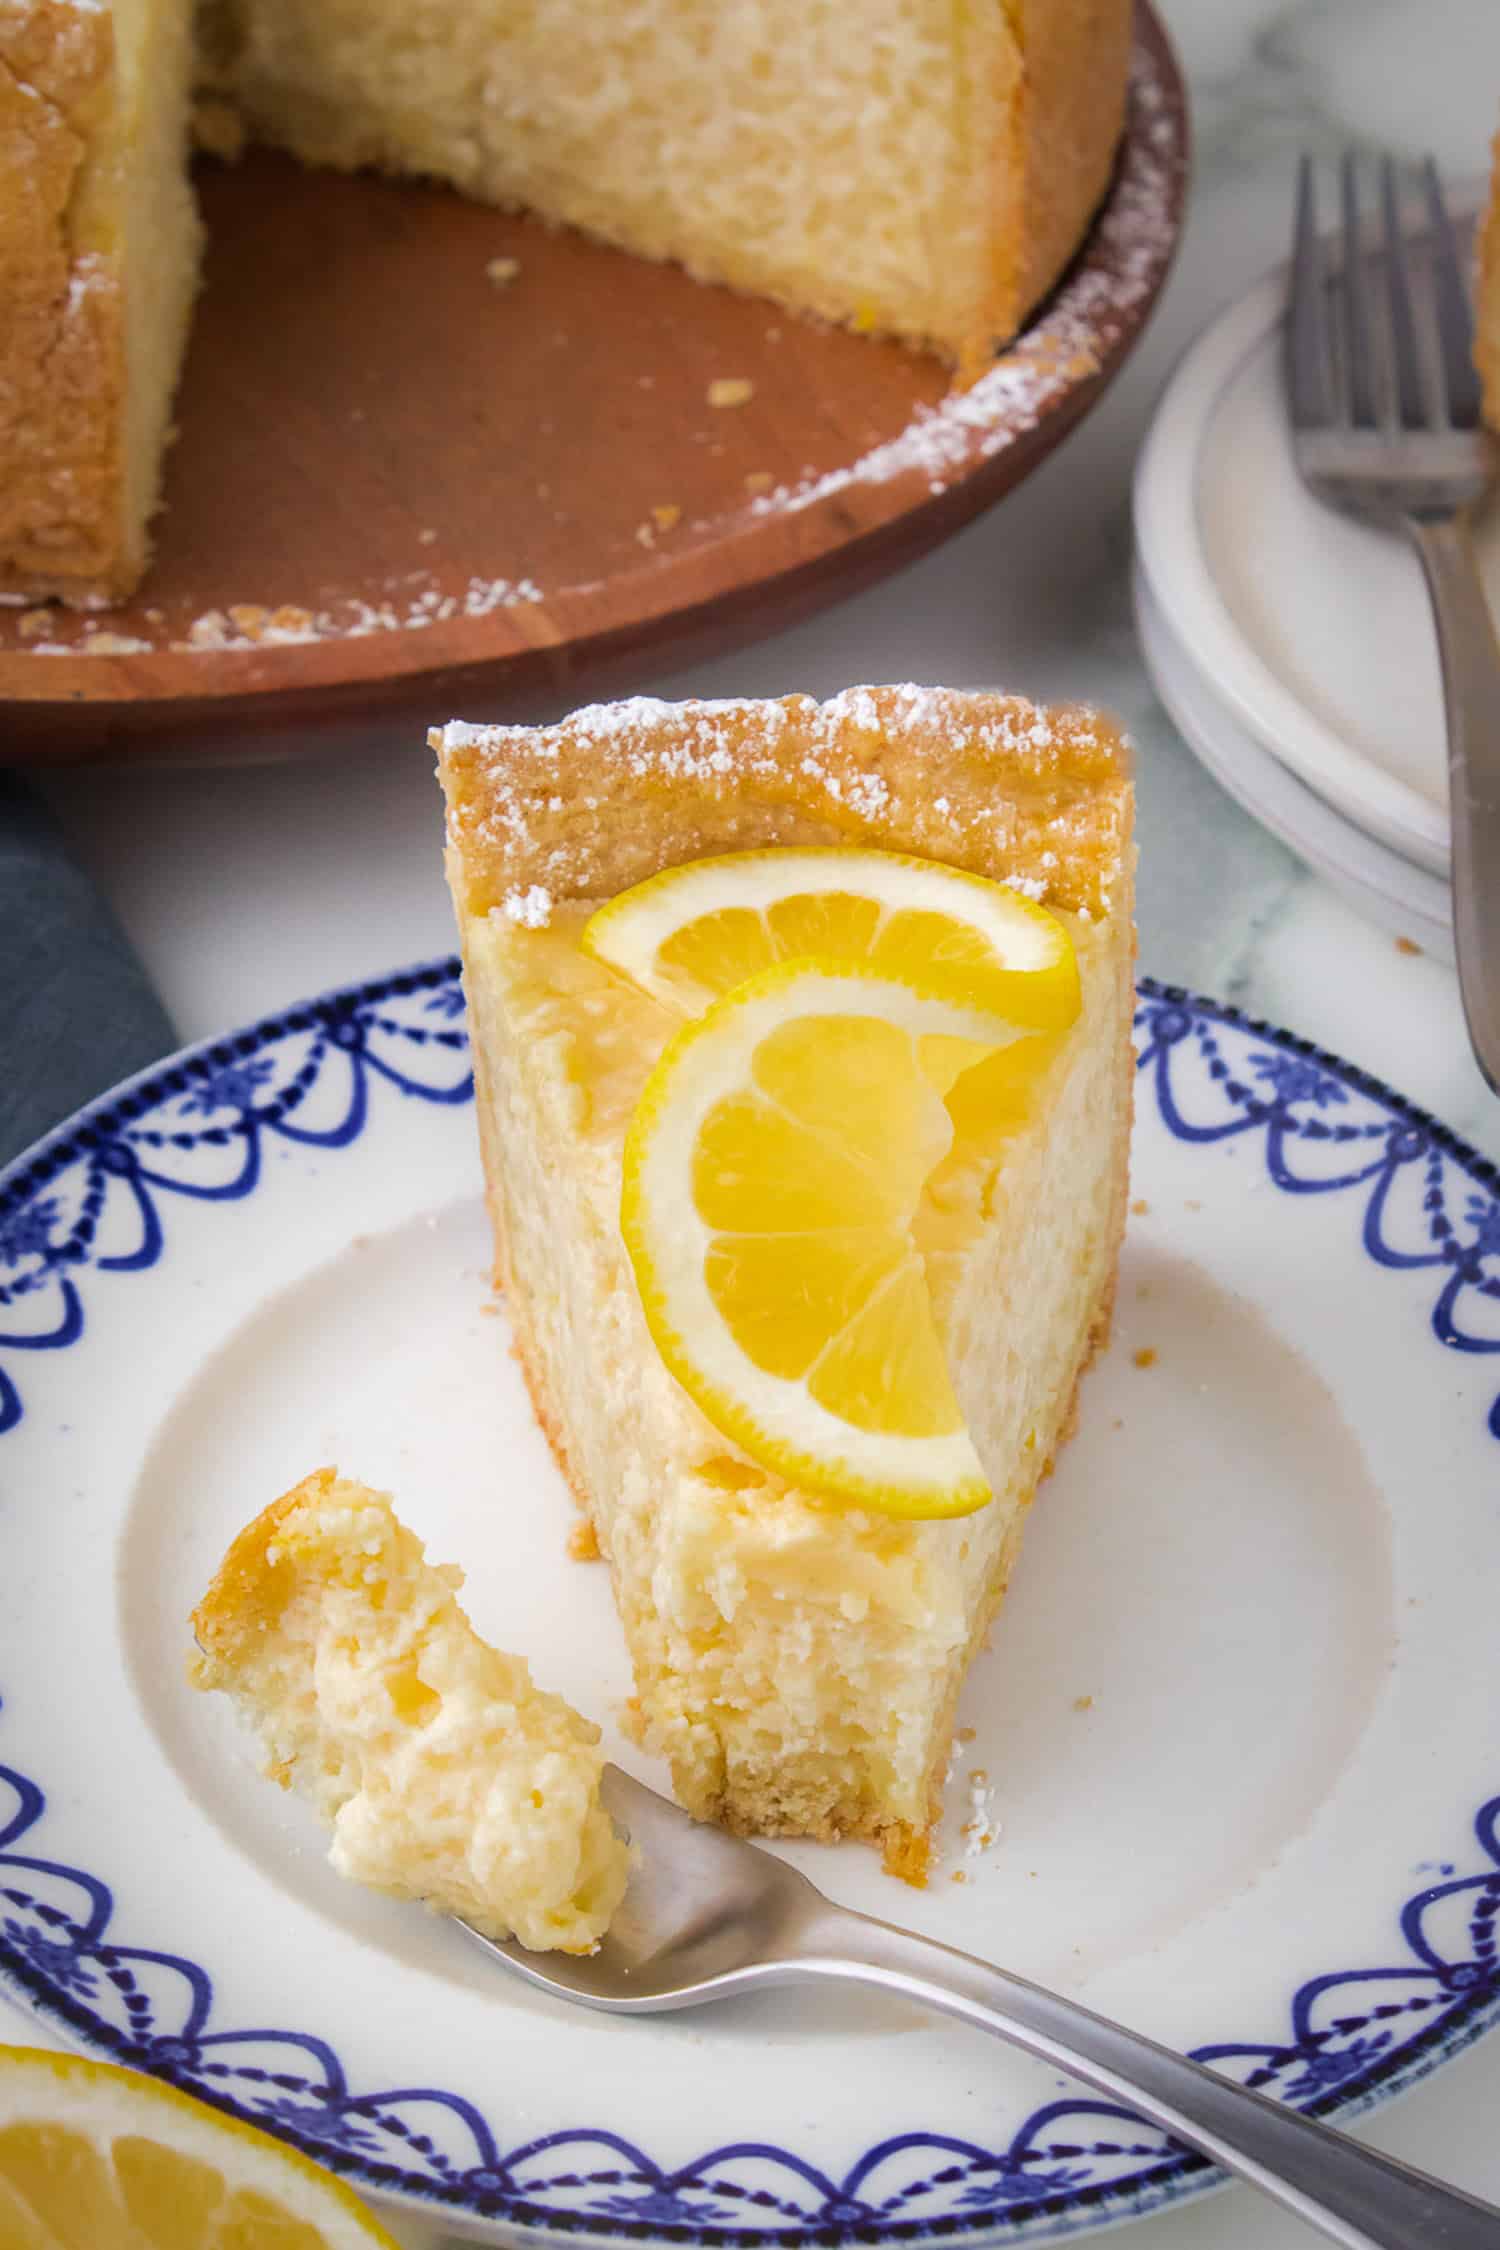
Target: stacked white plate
1291,646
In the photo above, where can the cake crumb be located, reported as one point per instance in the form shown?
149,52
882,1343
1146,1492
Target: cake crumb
1407,945
758,480
730,390
583,1542
1083,1703
981,1829
958,1876
501,271
1140,1207
427,538
218,128
967,1734
907,1854
34,624
666,515
1145,1357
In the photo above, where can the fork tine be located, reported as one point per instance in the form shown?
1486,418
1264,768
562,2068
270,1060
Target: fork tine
1411,405
1359,334
1454,320
1309,374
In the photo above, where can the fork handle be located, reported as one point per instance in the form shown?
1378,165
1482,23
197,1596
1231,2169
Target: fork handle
1471,693
1361,2199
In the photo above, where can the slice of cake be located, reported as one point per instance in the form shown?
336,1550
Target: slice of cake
98,265
445,1774
798,1654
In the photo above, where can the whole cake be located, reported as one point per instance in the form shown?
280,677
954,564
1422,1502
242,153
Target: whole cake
806,1160
906,166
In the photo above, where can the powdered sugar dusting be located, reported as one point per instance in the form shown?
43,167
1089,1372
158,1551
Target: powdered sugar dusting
1034,793
251,625
531,908
1130,247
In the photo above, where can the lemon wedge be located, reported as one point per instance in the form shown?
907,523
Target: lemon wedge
774,1208
97,2158
692,933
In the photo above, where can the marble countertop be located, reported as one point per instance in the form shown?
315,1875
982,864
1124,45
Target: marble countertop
245,888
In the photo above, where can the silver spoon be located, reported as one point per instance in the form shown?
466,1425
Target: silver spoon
707,1915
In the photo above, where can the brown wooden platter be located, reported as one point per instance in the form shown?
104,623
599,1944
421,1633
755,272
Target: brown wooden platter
406,485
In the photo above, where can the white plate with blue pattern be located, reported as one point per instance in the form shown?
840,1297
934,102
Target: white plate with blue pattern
1234,1775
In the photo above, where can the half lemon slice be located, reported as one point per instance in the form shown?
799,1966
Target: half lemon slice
775,1172
692,933
98,2156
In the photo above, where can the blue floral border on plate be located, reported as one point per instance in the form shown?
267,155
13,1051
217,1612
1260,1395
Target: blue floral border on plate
95,1199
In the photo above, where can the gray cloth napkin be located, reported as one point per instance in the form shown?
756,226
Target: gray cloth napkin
76,1011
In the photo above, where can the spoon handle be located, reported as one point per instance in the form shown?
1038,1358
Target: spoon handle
1361,2199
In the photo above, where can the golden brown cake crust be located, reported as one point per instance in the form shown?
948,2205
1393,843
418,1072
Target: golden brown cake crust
1487,325
616,792
249,1591
1077,73
62,354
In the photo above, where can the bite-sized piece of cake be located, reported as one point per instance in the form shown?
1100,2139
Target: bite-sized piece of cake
796,1657
444,1772
98,265
1487,294
906,165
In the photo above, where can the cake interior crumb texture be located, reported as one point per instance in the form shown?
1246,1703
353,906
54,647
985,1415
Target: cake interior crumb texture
445,1774
912,167
797,1659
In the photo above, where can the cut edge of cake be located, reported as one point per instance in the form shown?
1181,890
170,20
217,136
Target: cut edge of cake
780,158
542,819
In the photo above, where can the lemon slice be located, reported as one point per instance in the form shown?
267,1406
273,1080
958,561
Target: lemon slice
96,2158
693,933
775,1171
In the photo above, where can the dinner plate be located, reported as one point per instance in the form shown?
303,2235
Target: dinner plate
1233,1776
1393,892
493,496
1315,629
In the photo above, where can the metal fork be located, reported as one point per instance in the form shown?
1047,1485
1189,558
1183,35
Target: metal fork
1385,413
707,1915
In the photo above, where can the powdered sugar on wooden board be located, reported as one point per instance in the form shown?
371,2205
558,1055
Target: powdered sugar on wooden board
1135,235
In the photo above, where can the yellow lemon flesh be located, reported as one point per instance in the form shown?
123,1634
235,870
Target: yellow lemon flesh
692,934
801,1155
96,2158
